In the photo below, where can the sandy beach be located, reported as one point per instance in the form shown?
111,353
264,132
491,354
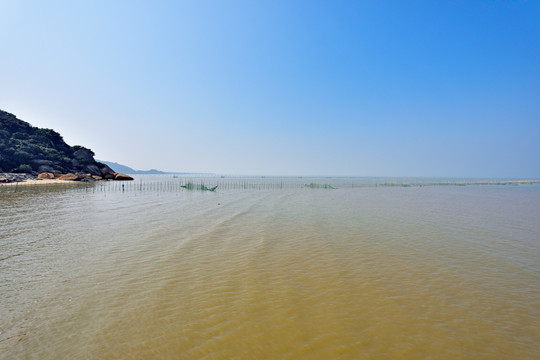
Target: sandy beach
39,182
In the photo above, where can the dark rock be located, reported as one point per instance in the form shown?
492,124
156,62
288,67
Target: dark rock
84,154
105,169
93,169
45,169
88,179
14,177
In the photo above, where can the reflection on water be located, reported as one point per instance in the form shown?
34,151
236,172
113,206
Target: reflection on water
286,273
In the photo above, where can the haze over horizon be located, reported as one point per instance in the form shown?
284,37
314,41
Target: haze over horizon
348,88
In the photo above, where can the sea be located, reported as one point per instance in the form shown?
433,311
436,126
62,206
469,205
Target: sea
270,268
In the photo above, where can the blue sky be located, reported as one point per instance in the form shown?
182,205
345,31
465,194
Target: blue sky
355,88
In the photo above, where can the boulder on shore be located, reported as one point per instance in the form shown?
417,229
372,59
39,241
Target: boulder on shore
13,177
69,177
122,177
45,175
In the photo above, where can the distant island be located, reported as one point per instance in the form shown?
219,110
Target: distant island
127,170
28,152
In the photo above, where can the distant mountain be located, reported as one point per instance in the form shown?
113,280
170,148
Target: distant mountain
127,170
118,167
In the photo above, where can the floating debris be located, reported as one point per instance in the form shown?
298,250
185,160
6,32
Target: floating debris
202,187
320,186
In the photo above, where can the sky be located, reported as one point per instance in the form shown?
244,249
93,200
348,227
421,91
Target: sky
283,87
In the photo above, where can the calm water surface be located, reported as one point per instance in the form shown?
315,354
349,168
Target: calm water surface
279,272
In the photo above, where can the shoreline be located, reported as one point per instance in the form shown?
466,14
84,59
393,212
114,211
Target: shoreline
14,179
28,182
18,179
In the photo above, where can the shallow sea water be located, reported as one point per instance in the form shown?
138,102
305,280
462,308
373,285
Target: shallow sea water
275,272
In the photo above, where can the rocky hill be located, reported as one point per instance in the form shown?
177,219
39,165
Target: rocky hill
44,153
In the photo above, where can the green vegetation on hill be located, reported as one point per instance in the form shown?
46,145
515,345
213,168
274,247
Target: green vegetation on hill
25,148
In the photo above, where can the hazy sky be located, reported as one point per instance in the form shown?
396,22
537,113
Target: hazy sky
367,88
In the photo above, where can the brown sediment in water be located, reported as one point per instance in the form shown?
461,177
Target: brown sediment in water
363,273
